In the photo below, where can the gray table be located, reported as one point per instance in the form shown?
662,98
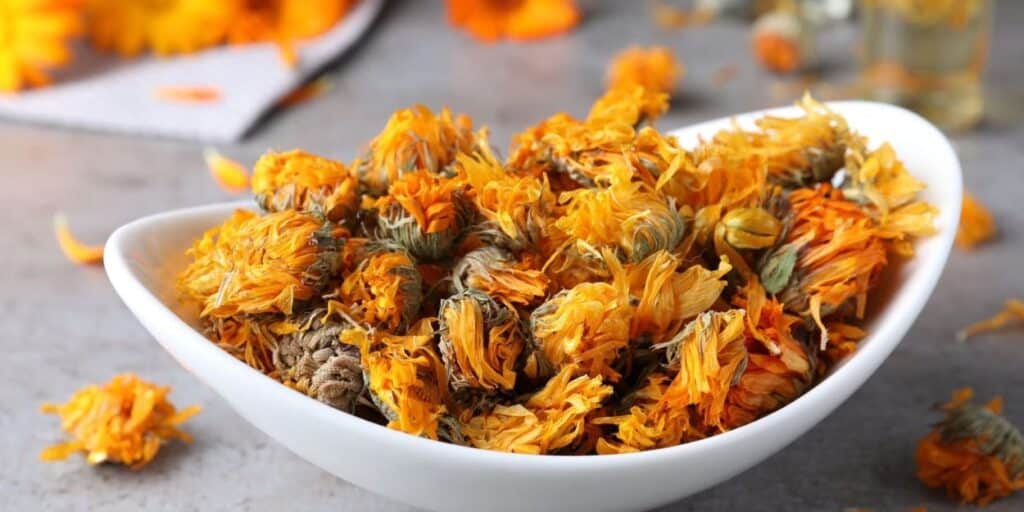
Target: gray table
63,326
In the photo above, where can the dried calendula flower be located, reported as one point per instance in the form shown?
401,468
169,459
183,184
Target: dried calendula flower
480,342
495,272
248,338
586,326
125,421
414,139
229,174
490,20
34,38
310,357
296,180
260,264
1013,312
549,420
750,228
652,421
975,454
73,249
130,27
709,357
384,291
425,213
284,21
976,223
781,41
405,376
655,68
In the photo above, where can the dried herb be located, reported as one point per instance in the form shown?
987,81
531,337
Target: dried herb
490,20
310,357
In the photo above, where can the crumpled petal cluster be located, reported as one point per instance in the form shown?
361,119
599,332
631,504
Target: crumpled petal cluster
603,289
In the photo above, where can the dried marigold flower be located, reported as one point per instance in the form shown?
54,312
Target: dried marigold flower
229,174
550,419
284,20
666,298
780,42
405,377
310,358
709,357
424,213
36,35
516,208
259,264
586,326
655,69
130,27
480,342
628,104
976,223
125,421
384,291
878,178
490,20
74,250
624,217
974,453
296,180
248,338
750,228
414,139
651,421
496,273
1013,312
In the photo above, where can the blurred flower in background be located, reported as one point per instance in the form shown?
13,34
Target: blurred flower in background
34,37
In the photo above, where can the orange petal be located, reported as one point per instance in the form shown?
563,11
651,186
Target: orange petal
230,175
188,93
74,250
306,92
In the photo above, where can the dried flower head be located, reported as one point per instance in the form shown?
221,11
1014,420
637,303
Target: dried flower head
424,213
655,69
976,223
414,139
296,180
549,420
777,43
34,38
586,326
405,376
481,341
651,421
975,454
385,291
496,273
130,27
490,20
310,358
249,338
259,264
125,421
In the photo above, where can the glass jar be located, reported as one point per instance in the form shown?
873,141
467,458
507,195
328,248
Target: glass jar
927,55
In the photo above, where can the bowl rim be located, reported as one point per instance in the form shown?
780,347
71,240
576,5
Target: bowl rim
138,297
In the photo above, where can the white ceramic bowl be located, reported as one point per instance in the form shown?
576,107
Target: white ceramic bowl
143,258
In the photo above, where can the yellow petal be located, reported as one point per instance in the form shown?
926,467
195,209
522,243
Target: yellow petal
73,249
230,175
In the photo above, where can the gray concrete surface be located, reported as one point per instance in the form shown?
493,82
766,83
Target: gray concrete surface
63,326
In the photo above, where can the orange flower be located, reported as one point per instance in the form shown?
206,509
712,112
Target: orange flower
1013,312
229,174
490,20
494,272
125,421
480,342
550,419
976,223
384,291
252,264
307,183
651,422
34,38
655,69
285,21
129,27
74,250
424,213
248,339
776,42
974,453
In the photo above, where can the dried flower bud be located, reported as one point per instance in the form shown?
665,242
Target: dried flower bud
776,268
750,228
425,214
480,342
974,453
384,291
414,139
310,357
296,180
494,272
260,264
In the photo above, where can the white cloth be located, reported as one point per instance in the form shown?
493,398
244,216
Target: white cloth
102,92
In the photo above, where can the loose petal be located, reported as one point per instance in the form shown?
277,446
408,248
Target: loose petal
74,250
